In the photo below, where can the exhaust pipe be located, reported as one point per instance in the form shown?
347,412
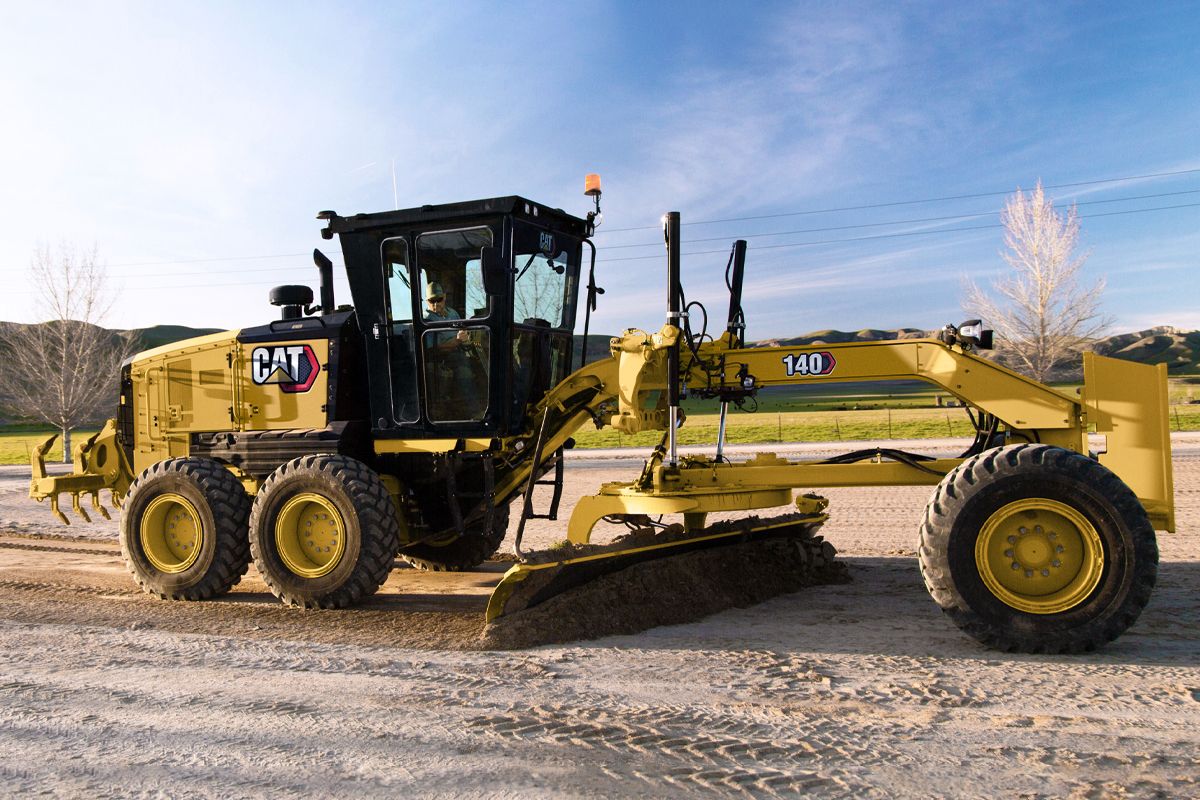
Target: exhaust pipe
325,267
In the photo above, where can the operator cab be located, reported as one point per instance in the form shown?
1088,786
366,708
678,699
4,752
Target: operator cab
466,312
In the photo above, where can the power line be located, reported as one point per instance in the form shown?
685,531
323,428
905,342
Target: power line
941,231
911,202
934,232
710,222
894,222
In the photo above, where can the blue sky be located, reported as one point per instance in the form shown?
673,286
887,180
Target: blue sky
194,143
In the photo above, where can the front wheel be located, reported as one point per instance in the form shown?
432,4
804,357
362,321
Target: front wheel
1037,549
323,532
183,529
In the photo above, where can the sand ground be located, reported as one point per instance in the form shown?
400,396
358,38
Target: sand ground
858,690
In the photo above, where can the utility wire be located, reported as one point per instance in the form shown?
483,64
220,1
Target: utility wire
616,246
933,232
710,222
938,231
858,226
911,202
894,222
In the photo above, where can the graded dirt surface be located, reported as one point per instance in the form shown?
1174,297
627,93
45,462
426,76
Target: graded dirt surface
853,690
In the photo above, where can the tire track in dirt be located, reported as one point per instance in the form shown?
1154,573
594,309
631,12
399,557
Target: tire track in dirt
45,548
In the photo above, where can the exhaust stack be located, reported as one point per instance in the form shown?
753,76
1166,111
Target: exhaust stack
325,267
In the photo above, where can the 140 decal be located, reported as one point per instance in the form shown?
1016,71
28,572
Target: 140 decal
809,363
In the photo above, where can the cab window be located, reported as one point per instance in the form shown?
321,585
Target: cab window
397,279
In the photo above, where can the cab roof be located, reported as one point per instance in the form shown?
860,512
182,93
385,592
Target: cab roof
519,207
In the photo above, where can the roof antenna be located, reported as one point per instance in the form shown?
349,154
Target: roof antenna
395,196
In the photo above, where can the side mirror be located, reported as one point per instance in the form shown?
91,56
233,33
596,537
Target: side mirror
496,273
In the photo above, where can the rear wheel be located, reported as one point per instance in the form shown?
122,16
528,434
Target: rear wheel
472,548
323,532
1035,548
184,529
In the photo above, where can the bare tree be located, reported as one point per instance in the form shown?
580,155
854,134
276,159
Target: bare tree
66,369
1040,312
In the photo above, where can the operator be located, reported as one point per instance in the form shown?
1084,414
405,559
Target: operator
449,354
437,311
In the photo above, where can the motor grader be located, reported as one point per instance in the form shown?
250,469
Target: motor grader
326,443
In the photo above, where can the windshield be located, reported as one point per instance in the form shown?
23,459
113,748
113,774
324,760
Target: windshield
547,273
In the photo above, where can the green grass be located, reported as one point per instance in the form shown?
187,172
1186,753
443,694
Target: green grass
18,441
829,426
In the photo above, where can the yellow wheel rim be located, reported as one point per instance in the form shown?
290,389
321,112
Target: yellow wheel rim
310,535
170,533
1039,556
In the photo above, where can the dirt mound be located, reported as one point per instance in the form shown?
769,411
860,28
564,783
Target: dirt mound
670,591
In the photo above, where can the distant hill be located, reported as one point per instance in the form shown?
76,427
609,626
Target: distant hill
842,337
168,334
1179,350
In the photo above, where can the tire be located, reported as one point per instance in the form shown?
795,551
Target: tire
184,529
328,495
1036,549
469,550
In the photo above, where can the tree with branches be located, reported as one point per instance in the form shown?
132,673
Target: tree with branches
64,370
1041,313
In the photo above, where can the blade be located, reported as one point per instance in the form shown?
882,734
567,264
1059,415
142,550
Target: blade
529,584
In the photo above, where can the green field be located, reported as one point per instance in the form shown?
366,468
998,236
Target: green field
17,442
829,426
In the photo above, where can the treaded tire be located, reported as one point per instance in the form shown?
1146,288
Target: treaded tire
467,551
971,495
368,515
222,509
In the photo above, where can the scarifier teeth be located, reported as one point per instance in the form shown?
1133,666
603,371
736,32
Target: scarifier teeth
96,505
77,508
56,511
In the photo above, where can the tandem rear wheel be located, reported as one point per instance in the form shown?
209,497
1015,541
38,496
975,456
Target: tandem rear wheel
323,532
184,529
1037,549
471,548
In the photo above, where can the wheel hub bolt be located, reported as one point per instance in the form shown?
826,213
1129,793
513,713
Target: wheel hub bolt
1016,565
1028,573
1045,573
1056,563
1009,553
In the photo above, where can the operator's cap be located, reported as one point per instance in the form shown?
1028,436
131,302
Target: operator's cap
434,289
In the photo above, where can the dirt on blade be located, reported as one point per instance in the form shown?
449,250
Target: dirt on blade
683,587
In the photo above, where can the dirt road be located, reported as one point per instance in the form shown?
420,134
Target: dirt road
859,690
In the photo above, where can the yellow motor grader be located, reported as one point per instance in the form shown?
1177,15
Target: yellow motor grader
324,444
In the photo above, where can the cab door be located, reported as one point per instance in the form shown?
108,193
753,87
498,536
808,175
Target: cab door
457,323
